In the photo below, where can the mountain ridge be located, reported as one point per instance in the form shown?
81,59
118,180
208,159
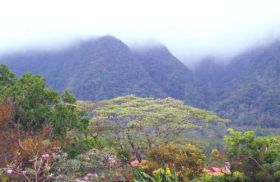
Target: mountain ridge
245,90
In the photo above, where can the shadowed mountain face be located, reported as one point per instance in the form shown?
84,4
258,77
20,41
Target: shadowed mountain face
93,70
173,77
246,90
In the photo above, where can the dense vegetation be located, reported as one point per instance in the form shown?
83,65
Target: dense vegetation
245,91
47,136
171,75
94,70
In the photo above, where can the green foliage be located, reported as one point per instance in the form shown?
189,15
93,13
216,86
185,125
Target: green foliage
82,144
35,104
234,177
6,76
257,157
102,162
68,97
188,160
163,175
66,117
124,154
143,126
32,100
246,90
217,158
146,122
171,75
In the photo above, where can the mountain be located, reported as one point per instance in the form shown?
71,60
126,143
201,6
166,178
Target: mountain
210,76
97,69
173,77
247,89
104,68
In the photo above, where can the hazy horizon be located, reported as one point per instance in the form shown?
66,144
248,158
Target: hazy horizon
190,29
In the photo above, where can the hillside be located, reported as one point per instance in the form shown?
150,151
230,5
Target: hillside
105,68
173,77
93,70
49,136
246,90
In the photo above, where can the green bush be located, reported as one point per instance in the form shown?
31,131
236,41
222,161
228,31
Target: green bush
188,160
84,143
160,175
234,177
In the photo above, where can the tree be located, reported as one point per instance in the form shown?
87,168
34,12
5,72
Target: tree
257,157
6,76
32,100
35,105
146,122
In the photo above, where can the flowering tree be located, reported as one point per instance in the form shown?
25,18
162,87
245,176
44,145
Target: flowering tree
146,122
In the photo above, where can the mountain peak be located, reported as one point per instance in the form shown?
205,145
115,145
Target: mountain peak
158,49
104,41
108,38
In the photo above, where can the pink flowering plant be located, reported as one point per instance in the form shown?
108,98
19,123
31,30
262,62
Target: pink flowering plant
95,165
38,169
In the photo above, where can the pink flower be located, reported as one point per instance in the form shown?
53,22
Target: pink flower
23,172
45,156
134,163
51,175
111,160
92,175
86,178
9,171
78,180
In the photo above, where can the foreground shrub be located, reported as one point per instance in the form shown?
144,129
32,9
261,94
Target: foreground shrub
234,177
159,175
257,157
19,147
38,169
187,161
81,144
104,163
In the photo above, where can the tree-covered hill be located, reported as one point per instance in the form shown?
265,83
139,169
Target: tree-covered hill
246,90
175,79
93,70
105,68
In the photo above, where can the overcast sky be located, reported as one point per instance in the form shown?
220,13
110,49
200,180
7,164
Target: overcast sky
189,28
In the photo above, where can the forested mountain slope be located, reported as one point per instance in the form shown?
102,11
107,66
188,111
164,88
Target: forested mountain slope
105,68
93,70
175,79
247,89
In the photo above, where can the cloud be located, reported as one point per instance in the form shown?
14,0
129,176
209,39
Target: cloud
190,28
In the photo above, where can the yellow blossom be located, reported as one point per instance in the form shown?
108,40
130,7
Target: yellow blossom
168,172
160,170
